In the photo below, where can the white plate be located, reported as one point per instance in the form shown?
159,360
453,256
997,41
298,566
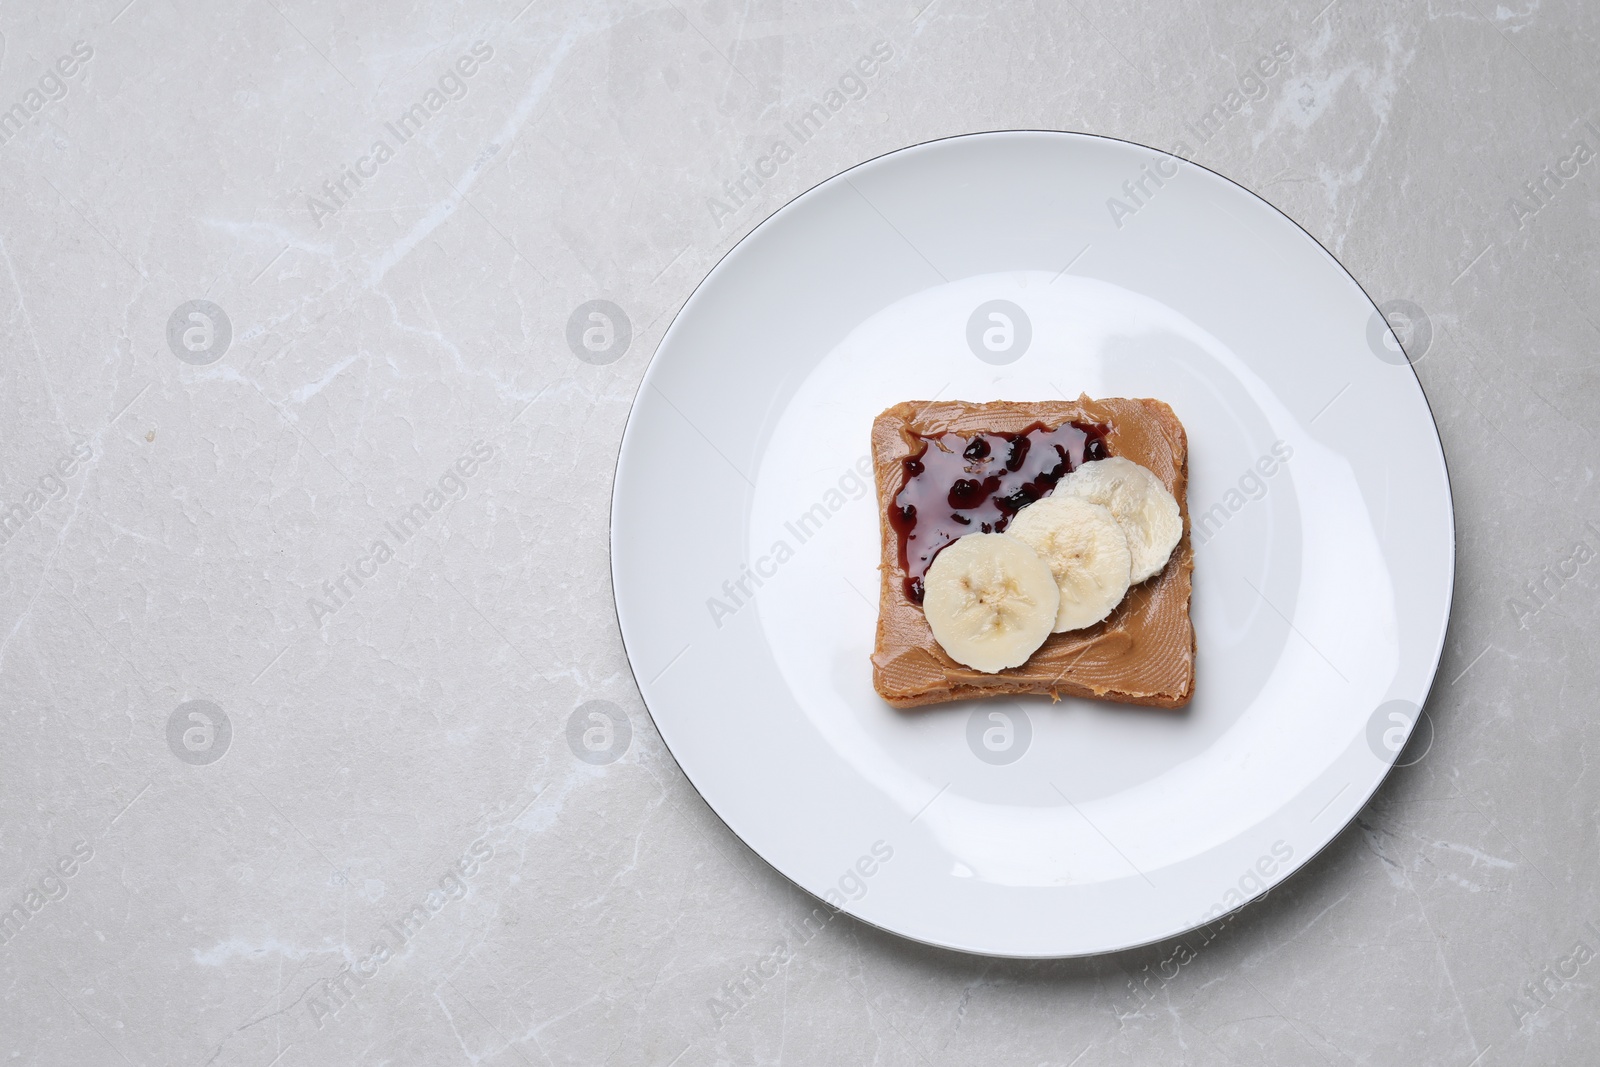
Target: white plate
1018,827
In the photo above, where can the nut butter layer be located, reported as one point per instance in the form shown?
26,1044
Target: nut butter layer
1142,653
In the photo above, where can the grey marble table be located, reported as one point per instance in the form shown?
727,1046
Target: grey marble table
306,465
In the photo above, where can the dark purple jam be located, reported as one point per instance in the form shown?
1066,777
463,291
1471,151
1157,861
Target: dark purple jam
958,485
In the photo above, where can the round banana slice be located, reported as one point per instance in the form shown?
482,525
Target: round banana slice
1140,503
990,600
1087,552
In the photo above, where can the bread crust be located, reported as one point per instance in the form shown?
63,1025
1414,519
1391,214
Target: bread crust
1142,653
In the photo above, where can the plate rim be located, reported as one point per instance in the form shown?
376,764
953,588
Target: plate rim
652,364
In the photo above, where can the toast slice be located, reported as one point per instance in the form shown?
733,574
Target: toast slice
1142,653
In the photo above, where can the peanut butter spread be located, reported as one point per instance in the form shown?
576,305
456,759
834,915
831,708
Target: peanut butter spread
1142,653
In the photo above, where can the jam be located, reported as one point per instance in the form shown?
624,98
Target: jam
958,485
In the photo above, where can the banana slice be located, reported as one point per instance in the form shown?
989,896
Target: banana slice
1144,509
1085,549
990,601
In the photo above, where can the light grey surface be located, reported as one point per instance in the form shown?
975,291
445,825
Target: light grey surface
423,720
